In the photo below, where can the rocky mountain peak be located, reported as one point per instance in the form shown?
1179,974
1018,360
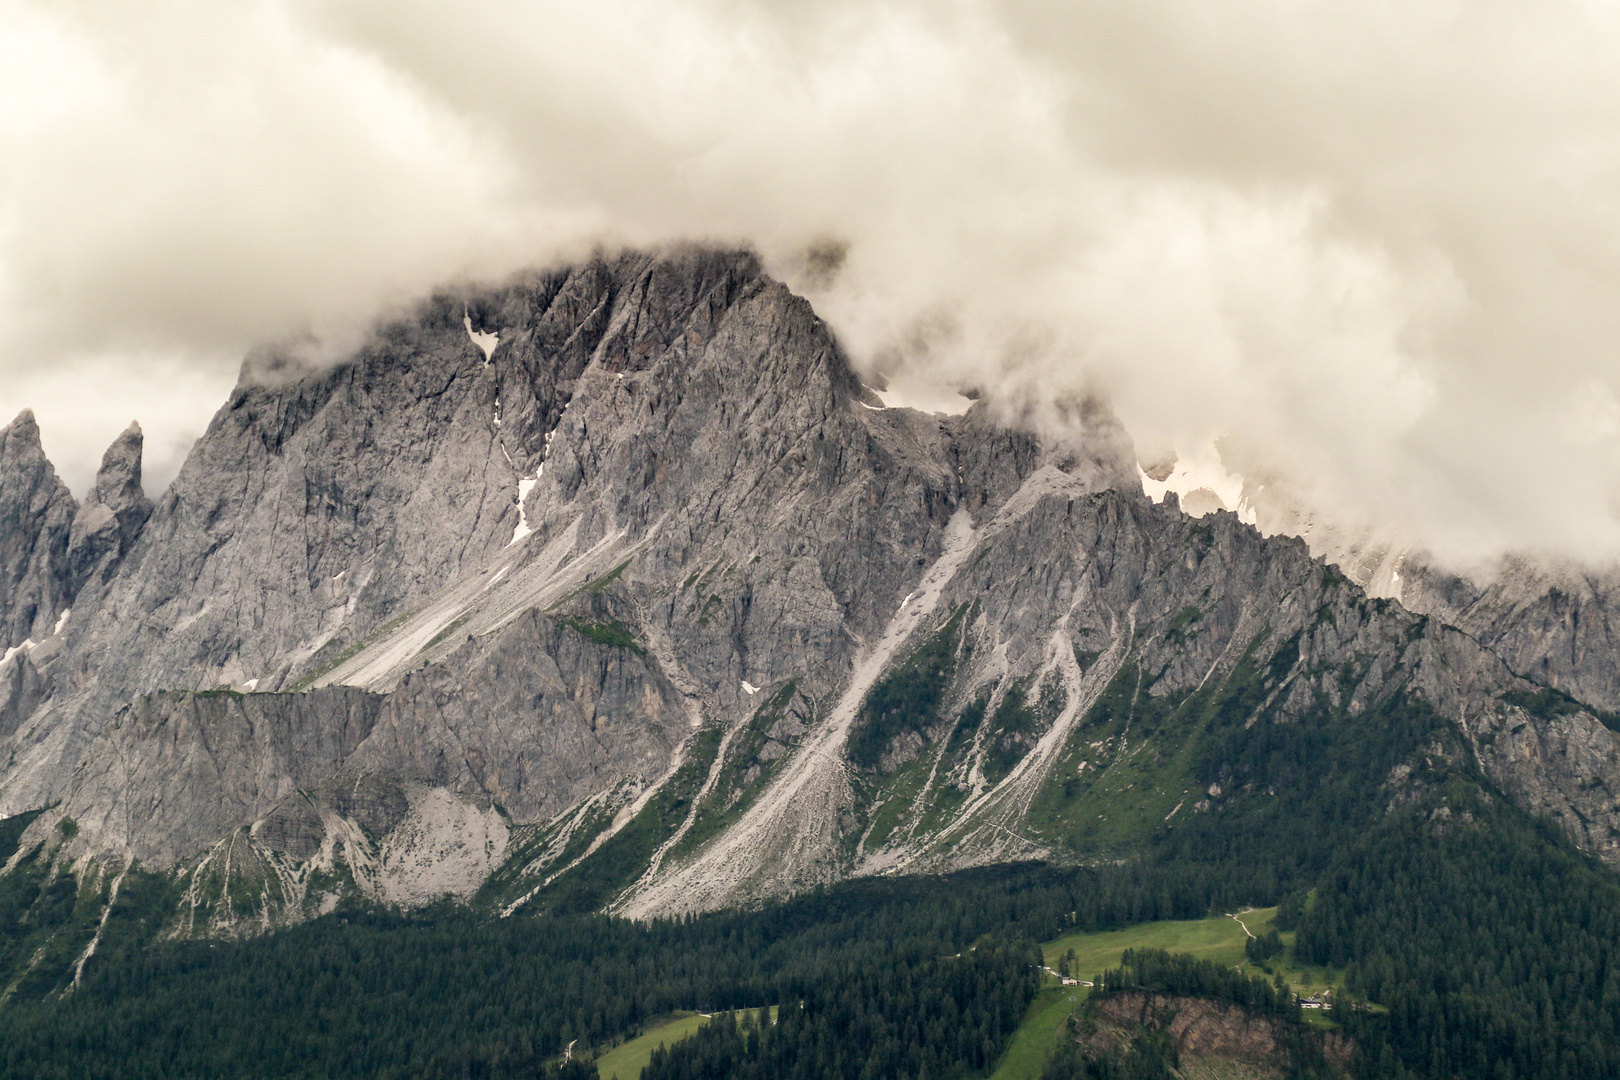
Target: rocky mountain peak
621,558
36,514
23,427
113,512
118,481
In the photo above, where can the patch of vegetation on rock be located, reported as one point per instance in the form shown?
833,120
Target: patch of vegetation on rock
909,698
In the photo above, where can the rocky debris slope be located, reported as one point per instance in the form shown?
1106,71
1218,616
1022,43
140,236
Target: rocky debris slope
651,605
1072,667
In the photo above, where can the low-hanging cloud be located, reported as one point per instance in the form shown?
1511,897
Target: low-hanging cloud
1367,251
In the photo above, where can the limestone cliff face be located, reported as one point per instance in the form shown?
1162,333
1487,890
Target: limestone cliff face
105,527
641,419
36,516
594,618
1558,625
1553,621
174,771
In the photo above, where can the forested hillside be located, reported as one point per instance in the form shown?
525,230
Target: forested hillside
1488,940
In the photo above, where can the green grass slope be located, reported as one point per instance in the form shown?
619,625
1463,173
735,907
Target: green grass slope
1220,939
625,1061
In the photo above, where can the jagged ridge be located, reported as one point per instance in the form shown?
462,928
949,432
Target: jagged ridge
591,619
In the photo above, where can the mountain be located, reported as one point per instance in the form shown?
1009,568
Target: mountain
650,606
36,522
1556,623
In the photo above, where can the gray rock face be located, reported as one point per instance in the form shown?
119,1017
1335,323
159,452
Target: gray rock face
36,515
534,718
22,690
1553,622
669,417
113,513
174,771
435,620
1065,595
320,507
1557,625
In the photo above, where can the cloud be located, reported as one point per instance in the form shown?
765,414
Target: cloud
1368,251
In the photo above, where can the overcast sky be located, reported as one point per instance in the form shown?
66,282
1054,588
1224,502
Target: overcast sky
1369,250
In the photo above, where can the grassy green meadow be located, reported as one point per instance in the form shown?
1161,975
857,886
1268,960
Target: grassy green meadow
1219,939
626,1060
1032,1043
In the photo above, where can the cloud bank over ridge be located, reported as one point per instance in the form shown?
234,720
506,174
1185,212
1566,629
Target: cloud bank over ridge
1370,252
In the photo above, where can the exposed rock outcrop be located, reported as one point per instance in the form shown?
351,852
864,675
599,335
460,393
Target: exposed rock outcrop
1211,1037
1556,624
1197,1025
113,513
175,771
621,588
36,517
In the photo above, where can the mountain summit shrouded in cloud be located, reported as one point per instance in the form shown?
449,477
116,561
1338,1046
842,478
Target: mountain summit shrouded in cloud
1367,250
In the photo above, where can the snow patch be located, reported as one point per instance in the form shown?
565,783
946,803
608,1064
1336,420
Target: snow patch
61,621
749,688
525,485
484,341
251,685
1204,474
27,646
908,390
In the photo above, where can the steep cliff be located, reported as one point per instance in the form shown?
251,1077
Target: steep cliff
36,517
650,605
1555,623
113,513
